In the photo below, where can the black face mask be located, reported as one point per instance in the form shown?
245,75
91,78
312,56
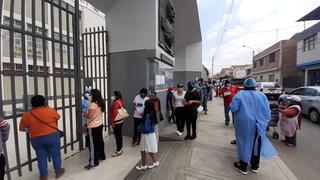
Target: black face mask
143,95
190,88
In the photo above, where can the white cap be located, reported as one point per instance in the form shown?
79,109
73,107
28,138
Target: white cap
294,98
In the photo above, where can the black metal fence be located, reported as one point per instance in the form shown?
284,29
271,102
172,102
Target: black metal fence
40,54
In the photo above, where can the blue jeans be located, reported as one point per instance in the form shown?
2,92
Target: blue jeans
47,146
205,103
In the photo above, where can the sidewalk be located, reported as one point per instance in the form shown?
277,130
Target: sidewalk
210,156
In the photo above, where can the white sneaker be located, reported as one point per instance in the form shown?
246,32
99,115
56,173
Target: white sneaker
180,133
141,168
155,164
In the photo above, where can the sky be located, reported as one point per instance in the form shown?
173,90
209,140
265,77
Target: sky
252,23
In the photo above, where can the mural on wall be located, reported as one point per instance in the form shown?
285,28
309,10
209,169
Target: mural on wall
167,26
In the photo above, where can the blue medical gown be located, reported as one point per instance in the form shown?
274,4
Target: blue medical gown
85,105
252,112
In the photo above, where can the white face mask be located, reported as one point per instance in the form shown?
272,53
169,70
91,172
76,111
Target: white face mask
87,95
113,98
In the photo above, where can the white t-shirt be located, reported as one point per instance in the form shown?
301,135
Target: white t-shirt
179,99
139,102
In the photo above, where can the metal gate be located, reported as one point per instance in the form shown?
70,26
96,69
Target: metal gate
40,54
96,62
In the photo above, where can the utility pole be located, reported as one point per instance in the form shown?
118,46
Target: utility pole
212,65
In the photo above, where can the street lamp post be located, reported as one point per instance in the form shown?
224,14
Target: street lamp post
251,49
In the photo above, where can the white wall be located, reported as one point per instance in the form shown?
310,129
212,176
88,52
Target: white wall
180,62
194,57
91,19
308,56
132,25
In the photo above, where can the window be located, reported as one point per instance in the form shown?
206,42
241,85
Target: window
255,64
309,43
311,92
18,67
6,20
30,68
271,78
272,58
6,66
261,62
298,92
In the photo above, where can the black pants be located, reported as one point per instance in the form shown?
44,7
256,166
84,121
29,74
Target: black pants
180,118
172,116
118,135
291,140
136,134
96,146
191,120
255,159
2,166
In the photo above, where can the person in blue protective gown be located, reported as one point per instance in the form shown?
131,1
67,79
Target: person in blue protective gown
252,114
85,103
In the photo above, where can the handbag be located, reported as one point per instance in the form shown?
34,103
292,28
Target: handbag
200,109
147,125
122,113
61,133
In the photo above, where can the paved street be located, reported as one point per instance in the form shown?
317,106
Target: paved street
304,160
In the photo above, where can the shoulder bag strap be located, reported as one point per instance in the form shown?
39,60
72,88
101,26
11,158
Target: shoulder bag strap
43,122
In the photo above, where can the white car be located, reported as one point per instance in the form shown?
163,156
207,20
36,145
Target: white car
270,89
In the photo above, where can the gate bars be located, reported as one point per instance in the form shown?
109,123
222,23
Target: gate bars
49,58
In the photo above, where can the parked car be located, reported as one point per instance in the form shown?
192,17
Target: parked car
310,96
238,82
270,89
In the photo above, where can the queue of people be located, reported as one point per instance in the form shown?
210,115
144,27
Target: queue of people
250,113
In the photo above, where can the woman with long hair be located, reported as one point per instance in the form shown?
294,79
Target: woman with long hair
117,104
148,143
95,127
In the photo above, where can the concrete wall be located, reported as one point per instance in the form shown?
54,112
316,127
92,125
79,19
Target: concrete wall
194,57
132,25
289,70
308,56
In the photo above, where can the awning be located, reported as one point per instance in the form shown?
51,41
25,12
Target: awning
313,15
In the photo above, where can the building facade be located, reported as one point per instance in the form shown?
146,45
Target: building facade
241,71
37,57
277,64
153,44
308,55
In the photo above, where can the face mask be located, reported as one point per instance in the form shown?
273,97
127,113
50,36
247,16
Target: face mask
143,95
228,85
113,98
87,96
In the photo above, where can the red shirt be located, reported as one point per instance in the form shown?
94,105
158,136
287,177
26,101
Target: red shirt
115,107
230,93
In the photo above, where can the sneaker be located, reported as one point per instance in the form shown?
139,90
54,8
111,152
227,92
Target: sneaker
153,165
237,166
226,123
59,174
291,145
187,137
233,142
193,137
117,153
89,166
254,170
180,133
141,168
